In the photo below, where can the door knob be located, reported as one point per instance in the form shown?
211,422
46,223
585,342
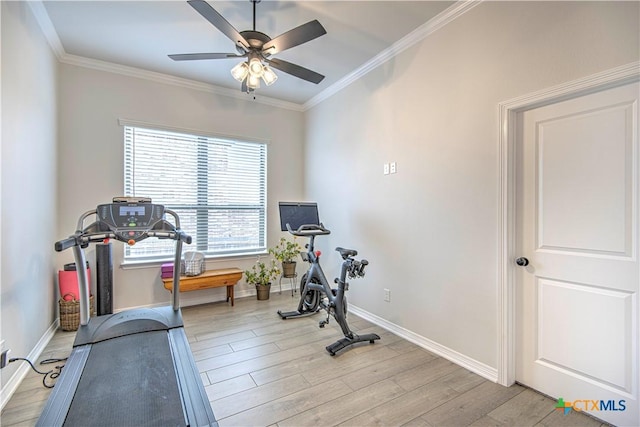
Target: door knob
522,261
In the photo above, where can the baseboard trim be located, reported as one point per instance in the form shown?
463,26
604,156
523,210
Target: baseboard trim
460,359
211,296
12,385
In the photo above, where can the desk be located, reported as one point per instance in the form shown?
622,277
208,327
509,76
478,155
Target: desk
209,279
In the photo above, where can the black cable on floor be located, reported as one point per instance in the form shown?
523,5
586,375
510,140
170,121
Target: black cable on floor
52,374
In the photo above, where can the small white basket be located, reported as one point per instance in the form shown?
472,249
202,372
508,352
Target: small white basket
192,263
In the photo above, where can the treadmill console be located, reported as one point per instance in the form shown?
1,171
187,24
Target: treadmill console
130,220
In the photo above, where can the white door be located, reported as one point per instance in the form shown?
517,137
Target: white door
577,226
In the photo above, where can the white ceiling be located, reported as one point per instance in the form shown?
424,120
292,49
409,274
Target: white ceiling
141,34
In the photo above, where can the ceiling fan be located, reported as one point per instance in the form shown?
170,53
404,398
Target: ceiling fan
258,48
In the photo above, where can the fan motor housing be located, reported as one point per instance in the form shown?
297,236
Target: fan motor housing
256,40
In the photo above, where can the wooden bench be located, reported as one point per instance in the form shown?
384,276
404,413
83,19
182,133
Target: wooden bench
209,279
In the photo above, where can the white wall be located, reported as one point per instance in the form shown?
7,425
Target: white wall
28,193
91,158
430,231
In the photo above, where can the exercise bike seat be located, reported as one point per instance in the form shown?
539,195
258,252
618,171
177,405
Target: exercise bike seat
346,253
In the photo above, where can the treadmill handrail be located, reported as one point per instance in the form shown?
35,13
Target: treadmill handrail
99,231
84,239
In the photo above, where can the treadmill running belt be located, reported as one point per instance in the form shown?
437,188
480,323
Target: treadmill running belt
128,381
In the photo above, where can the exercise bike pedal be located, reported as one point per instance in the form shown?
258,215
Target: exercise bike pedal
325,322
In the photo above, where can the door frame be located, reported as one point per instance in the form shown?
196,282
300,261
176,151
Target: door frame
507,114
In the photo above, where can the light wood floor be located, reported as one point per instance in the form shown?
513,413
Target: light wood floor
259,370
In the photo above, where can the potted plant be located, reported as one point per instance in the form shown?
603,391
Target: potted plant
260,275
286,251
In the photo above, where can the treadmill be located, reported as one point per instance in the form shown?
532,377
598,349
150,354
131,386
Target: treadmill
135,367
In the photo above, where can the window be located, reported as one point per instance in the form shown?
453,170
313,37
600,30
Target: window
216,186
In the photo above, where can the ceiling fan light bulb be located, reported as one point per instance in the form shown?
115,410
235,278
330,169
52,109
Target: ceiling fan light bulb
269,76
255,67
240,71
253,82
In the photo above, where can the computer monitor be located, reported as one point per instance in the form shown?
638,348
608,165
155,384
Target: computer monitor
298,213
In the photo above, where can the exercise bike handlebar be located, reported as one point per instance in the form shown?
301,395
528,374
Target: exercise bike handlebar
308,230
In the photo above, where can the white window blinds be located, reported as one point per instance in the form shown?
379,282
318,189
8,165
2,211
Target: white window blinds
218,188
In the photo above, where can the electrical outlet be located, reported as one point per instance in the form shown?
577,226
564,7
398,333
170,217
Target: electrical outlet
387,295
386,169
392,167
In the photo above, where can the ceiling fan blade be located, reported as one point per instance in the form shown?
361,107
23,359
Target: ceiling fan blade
302,34
295,70
218,21
198,56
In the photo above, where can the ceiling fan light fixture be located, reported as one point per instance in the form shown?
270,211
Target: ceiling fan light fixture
240,71
269,76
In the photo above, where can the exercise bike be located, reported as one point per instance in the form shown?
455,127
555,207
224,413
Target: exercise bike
316,294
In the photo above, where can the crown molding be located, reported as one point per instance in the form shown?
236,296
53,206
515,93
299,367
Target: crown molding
140,73
443,18
448,15
41,15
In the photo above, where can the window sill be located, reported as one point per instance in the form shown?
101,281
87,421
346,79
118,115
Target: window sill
136,265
